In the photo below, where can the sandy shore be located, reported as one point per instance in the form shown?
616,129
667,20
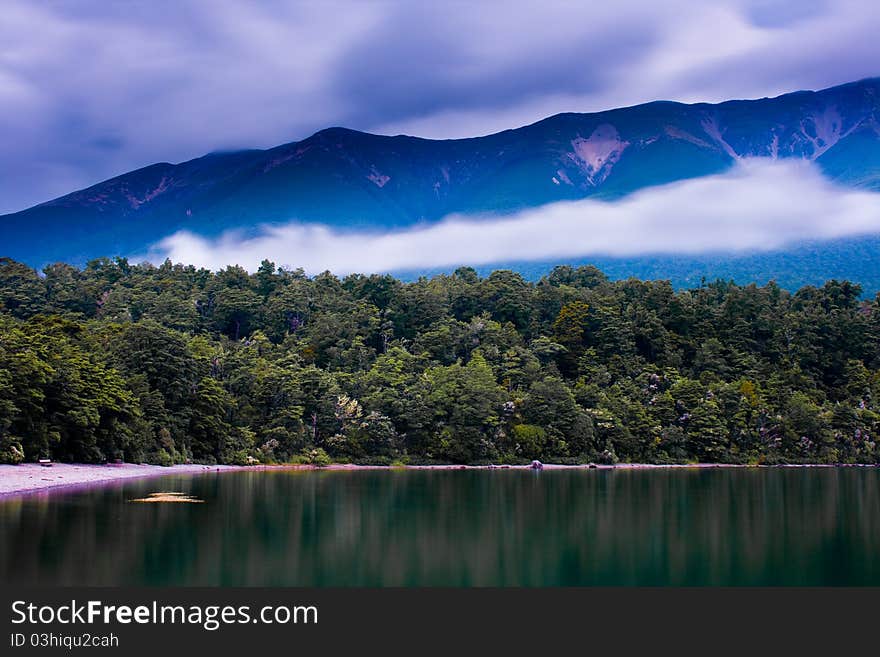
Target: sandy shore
31,477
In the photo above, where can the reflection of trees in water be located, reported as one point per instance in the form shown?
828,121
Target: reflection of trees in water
789,526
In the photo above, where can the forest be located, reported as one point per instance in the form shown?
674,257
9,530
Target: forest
171,364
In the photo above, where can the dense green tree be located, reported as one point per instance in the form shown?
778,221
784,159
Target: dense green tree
172,363
550,404
22,291
466,403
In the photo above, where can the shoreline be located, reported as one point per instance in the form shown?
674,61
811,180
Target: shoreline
32,478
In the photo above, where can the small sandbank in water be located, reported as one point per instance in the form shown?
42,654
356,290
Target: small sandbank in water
168,497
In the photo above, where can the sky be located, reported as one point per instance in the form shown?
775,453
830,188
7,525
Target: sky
90,89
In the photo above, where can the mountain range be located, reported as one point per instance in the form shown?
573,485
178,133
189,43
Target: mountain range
345,178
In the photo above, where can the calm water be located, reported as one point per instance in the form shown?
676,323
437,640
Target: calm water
460,528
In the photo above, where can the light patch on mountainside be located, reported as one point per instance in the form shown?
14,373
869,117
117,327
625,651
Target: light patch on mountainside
710,125
760,204
164,186
678,133
599,153
824,130
377,178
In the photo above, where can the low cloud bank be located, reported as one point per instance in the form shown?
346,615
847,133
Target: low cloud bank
759,205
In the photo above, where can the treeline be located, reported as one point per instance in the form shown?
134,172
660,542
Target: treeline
173,364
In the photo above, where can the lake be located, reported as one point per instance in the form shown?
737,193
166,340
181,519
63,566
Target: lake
786,526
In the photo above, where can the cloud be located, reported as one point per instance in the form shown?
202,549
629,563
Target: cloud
92,89
760,204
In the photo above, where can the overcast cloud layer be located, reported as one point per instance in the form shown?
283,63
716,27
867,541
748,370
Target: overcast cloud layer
759,205
90,89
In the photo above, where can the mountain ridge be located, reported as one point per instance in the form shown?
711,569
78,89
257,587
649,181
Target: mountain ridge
348,178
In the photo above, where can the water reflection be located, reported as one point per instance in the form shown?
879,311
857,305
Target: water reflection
459,528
